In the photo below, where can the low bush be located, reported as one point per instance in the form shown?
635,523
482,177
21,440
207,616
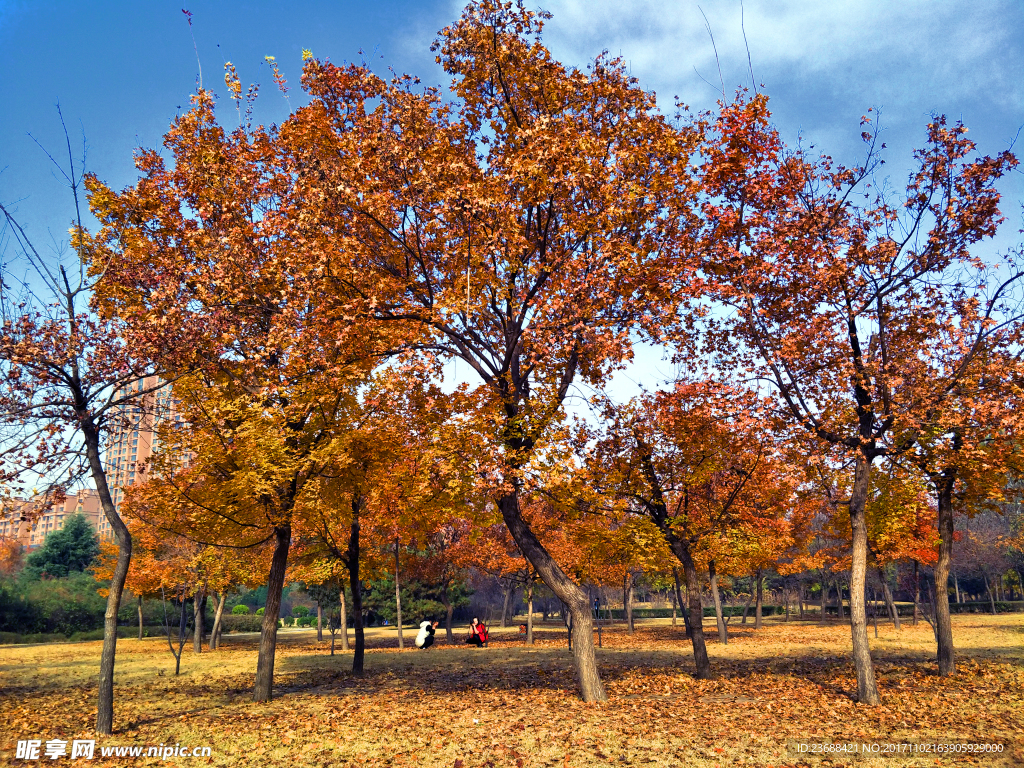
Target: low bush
300,611
259,611
245,622
240,610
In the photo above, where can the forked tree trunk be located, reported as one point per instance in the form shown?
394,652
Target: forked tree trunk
140,616
574,598
759,603
264,688
343,621
218,622
943,622
105,698
867,691
890,604
357,590
991,596
627,601
723,631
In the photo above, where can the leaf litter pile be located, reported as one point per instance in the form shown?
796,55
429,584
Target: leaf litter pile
514,705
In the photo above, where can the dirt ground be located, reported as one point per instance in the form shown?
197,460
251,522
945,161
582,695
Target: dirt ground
779,693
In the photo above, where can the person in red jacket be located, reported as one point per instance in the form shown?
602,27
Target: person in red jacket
477,633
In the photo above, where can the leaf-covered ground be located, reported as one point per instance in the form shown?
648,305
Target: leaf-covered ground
512,705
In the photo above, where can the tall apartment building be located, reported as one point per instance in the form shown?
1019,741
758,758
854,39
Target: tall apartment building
133,437
29,521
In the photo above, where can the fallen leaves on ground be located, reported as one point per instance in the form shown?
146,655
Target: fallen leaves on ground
514,705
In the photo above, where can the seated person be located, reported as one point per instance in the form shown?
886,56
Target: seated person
477,633
425,637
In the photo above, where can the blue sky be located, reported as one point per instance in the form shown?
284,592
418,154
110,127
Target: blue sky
121,70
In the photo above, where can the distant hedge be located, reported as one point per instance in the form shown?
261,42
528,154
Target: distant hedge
241,622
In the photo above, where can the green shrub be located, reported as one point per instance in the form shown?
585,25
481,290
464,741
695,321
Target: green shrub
306,621
300,610
259,611
242,623
240,610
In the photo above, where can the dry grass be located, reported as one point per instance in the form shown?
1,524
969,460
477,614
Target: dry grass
512,705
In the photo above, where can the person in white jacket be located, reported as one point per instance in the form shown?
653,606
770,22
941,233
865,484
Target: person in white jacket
425,637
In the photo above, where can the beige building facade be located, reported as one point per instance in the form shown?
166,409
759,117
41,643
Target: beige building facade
30,521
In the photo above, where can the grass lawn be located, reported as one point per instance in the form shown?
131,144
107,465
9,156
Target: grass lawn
513,705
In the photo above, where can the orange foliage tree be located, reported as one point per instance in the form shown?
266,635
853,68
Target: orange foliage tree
842,306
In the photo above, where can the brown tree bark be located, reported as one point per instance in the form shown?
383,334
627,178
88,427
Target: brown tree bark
357,591
105,698
867,690
574,598
319,623
140,616
723,630
264,688
343,621
507,593
700,650
943,622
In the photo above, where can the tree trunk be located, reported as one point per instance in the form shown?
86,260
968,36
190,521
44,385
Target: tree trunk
529,613
575,599
105,698
824,599
218,623
343,620
723,631
672,592
785,600
504,606
263,690
319,623
956,585
682,604
357,591
889,602
917,591
760,600
140,617
449,611
800,595
398,601
840,611
943,622
991,596
197,621
700,651
627,601
867,690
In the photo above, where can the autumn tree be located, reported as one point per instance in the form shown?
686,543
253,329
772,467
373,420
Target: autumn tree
517,221
69,374
840,304
202,255
698,463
